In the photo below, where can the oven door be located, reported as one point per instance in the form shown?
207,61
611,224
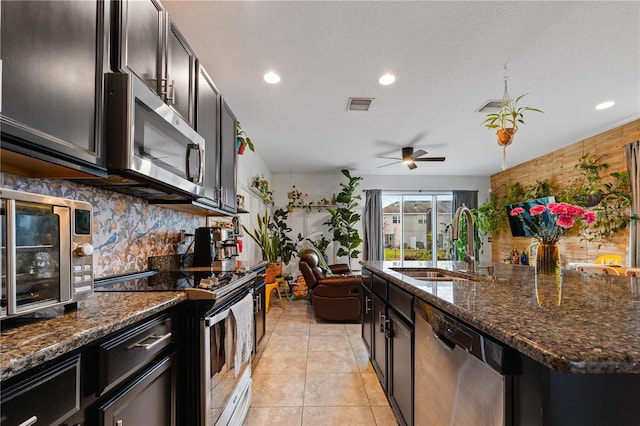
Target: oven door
34,265
225,396
148,138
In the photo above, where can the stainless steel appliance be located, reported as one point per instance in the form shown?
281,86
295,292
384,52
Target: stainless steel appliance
215,247
47,252
461,376
152,152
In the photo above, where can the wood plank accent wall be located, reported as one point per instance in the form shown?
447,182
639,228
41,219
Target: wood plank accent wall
558,168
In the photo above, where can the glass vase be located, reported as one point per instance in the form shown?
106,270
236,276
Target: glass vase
548,258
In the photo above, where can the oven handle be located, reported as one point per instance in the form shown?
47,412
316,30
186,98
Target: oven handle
209,321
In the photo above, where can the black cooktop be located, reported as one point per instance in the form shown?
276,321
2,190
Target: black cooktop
175,280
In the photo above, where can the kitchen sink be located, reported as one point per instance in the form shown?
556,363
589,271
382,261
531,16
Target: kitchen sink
434,274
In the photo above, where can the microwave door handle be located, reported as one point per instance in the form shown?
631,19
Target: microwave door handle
10,265
198,177
64,266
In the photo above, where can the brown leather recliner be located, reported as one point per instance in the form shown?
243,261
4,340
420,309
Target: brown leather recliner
334,298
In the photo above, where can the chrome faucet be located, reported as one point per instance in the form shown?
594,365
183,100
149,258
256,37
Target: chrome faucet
469,256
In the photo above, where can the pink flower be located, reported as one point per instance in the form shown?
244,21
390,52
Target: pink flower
565,221
516,211
564,208
589,217
537,210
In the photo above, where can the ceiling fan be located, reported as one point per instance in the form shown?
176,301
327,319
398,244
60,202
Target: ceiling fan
409,157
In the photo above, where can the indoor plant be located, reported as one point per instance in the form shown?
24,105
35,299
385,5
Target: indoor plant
242,140
344,218
506,120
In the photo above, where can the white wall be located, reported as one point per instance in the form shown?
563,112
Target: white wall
318,186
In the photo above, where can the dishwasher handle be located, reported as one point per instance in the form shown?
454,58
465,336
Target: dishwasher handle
445,344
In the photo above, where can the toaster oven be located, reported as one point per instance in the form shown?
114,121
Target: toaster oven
46,252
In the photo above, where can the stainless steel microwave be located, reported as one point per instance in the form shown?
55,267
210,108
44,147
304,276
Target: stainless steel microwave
151,151
46,252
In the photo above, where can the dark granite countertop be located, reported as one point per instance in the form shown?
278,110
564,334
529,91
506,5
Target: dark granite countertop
573,323
30,344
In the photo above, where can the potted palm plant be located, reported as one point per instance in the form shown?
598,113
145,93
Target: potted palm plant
506,120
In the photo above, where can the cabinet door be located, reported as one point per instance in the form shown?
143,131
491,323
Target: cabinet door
148,400
52,83
400,375
367,317
379,340
228,158
180,74
48,397
208,126
139,31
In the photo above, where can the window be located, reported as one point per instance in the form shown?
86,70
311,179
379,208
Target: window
414,226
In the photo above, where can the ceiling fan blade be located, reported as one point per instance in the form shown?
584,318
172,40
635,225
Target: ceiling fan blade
419,153
411,165
390,158
431,159
390,164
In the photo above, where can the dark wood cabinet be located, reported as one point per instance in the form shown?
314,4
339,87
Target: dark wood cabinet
388,331
228,156
400,373
50,395
379,339
208,126
54,55
367,315
180,74
148,400
147,44
137,41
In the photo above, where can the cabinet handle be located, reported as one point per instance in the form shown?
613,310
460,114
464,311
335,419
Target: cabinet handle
30,421
367,306
388,329
149,346
171,99
382,319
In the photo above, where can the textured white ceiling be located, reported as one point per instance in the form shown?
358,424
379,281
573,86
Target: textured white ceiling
448,58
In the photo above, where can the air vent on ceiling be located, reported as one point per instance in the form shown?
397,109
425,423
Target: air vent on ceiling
491,105
359,104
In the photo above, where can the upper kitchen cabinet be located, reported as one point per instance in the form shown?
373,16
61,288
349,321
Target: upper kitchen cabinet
53,60
208,126
228,153
148,45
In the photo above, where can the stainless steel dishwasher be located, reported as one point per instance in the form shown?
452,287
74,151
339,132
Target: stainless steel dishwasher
460,375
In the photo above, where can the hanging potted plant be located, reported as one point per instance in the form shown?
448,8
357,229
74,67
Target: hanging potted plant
506,120
242,140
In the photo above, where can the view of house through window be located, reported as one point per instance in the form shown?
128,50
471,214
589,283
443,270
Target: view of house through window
414,226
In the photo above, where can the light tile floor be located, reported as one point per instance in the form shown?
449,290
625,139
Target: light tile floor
314,373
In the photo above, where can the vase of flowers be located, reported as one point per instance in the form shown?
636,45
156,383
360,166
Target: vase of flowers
547,224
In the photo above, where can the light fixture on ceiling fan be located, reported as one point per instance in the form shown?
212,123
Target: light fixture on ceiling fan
409,158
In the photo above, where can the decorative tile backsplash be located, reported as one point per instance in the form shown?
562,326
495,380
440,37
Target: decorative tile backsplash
126,230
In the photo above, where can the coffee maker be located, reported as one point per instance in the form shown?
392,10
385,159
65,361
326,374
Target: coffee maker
216,248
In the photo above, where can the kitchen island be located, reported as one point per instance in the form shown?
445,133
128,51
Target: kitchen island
572,340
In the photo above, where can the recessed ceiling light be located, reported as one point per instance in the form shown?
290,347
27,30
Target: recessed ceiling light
387,79
605,105
272,78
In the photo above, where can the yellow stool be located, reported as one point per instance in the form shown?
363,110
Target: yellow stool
283,282
269,289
